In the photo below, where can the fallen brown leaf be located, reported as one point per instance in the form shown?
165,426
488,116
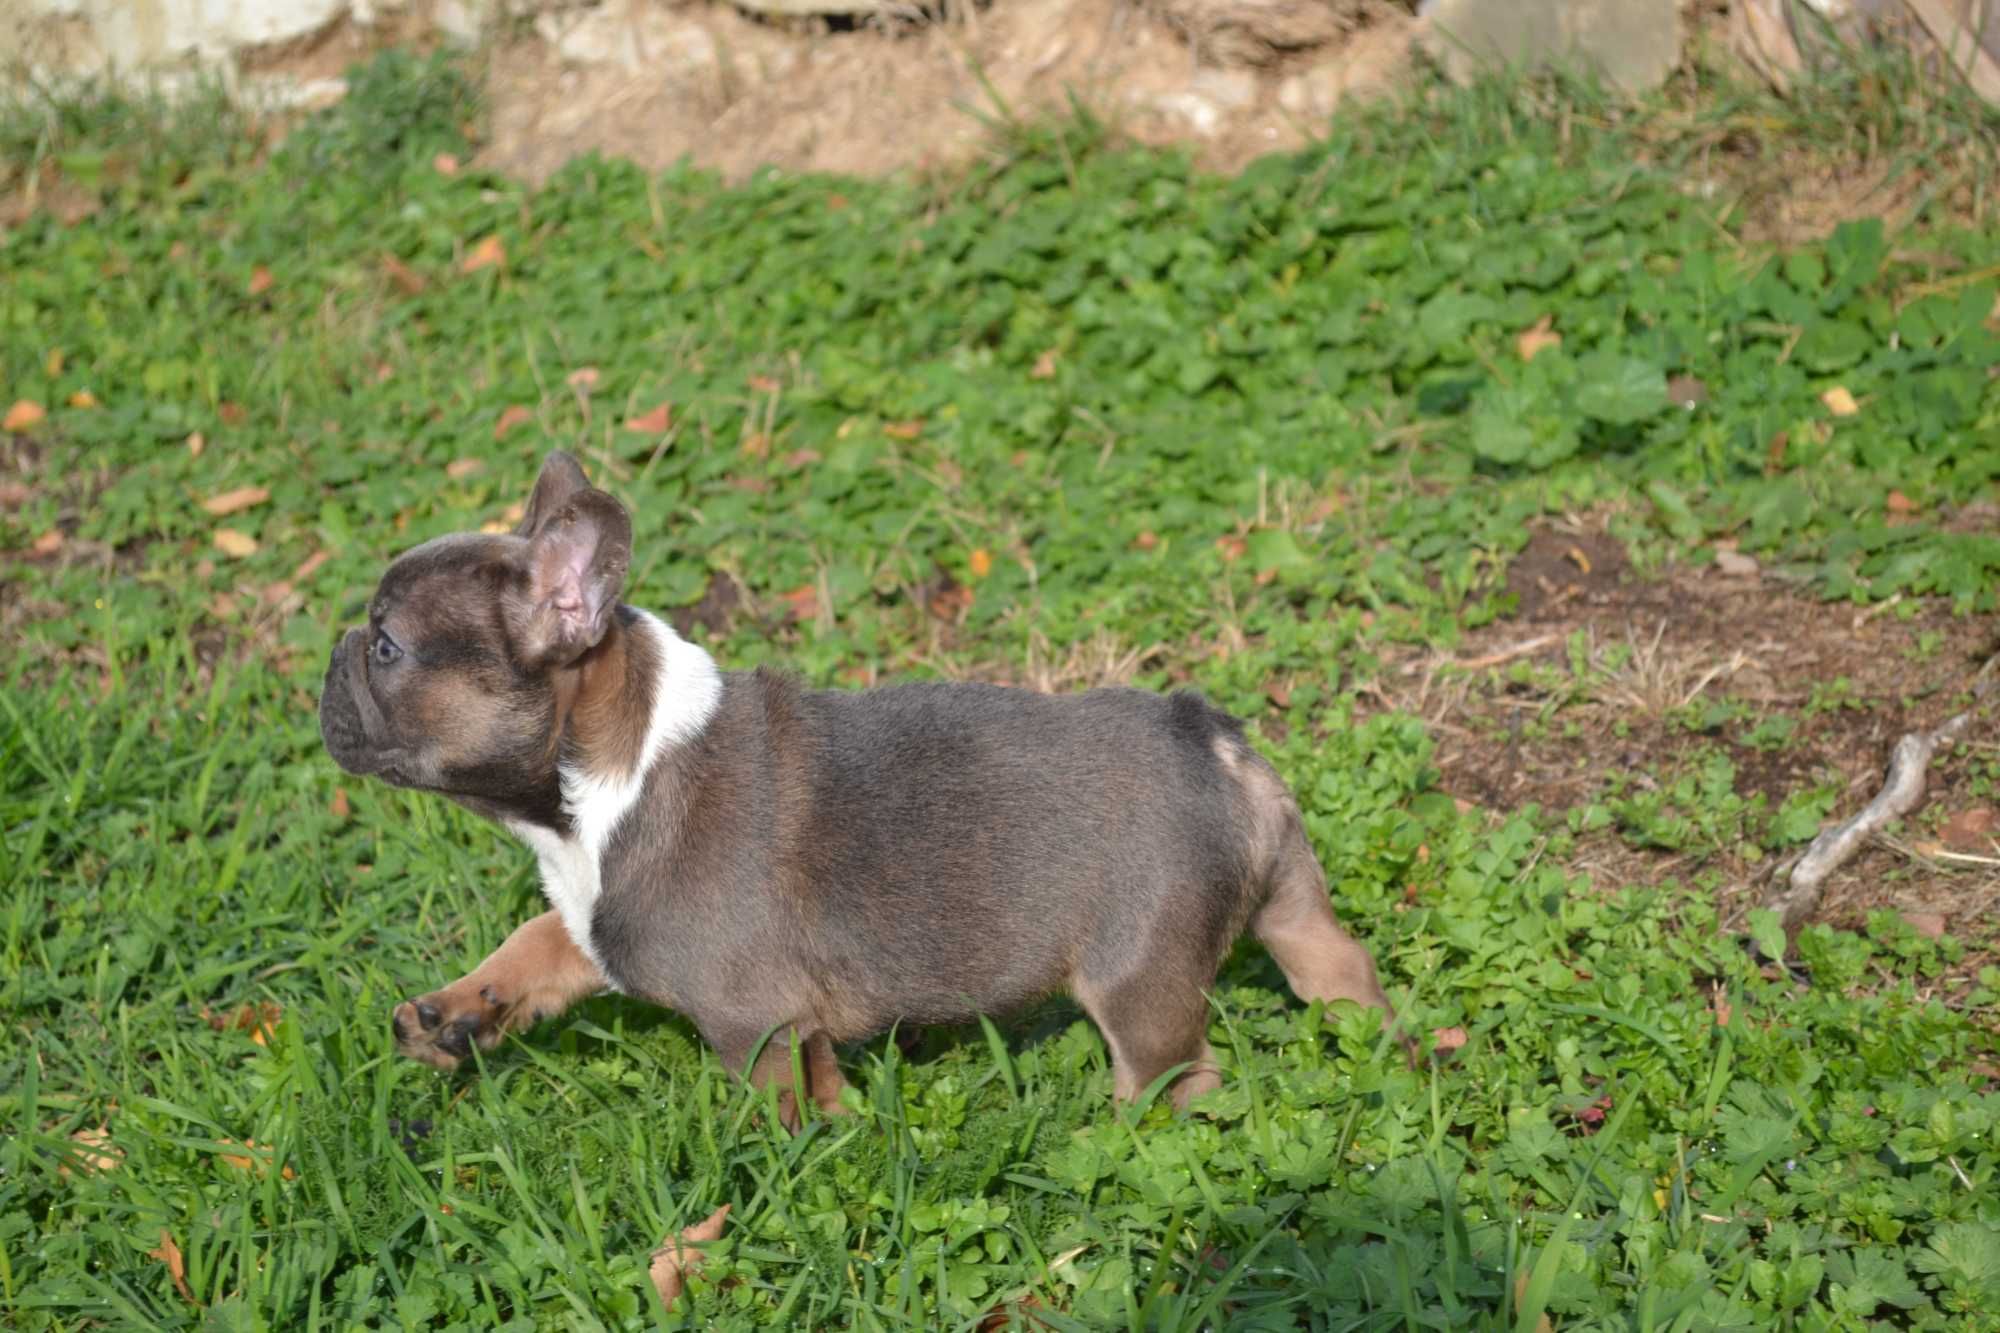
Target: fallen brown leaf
14,494
1898,503
1279,693
756,445
799,458
48,543
677,1254
236,545
1970,830
488,253
980,562
25,412
1774,453
656,422
803,602
1045,366
169,1254
260,280
236,501
255,1019
445,164
1687,392
1719,1002
1538,337
83,399
258,1159
1840,402
1232,548
583,379
1146,540
764,384
196,442
1542,1324
95,1151
903,430
232,414
1446,1040
1930,925
950,601
1003,1315
458,469
512,417
309,566
339,805
404,278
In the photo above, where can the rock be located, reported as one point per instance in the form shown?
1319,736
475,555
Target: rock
1736,565
807,8
1634,44
1260,33
1229,89
1200,114
648,40
134,36
1373,62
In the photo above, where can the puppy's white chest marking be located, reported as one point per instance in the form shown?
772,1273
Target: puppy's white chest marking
686,691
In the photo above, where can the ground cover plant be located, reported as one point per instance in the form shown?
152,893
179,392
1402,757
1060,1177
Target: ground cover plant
1430,450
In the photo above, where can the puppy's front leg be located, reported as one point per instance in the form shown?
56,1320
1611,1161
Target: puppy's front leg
537,973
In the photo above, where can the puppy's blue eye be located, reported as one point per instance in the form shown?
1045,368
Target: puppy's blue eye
385,650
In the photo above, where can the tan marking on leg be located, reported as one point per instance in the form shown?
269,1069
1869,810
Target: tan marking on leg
536,973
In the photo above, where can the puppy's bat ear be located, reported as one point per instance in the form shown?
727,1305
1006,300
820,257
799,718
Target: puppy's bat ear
561,479
579,547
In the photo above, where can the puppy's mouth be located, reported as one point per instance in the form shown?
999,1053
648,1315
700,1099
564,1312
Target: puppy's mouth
345,721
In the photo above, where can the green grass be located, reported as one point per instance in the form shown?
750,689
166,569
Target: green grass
1301,383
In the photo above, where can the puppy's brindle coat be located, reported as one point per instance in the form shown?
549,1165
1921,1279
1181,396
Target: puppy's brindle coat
760,856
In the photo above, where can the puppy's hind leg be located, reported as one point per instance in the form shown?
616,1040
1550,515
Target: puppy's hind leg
1151,1025
1296,923
773,1069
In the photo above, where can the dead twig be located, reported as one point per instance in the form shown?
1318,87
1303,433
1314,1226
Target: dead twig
1796,896
1493,659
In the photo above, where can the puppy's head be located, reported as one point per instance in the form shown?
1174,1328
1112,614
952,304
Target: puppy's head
453,683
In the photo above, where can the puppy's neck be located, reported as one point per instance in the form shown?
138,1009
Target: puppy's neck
632,699
639,693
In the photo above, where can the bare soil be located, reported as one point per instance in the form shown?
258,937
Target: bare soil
1514,724
708,83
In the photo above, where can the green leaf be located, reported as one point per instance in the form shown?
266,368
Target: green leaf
1620,390
1274,548
1832,344
1767,931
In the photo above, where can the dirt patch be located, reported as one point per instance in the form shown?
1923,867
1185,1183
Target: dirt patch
704,82
1558,574
1799,695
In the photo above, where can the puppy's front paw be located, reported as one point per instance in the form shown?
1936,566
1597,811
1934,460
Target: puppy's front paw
441,1028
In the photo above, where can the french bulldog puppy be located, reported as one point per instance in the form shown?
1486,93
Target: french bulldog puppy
818,865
